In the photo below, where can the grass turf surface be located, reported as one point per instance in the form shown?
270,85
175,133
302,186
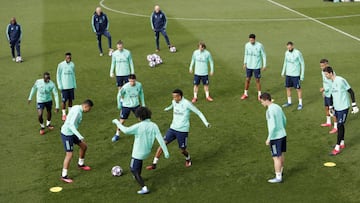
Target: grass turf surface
230,161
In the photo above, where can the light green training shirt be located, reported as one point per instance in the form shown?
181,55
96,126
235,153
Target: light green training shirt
327,83
73,119
145,133
131,95
276,122
122,63
65,76
255,56
294,64
201,59
339,92
44,90
181,115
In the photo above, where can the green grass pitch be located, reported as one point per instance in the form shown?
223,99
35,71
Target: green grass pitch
230,160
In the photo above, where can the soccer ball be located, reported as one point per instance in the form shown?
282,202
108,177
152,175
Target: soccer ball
152,64
158,61
18,59
172,49
149,57
116,171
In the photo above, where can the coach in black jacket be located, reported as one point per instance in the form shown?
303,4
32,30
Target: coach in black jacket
100,25
158,24
13,34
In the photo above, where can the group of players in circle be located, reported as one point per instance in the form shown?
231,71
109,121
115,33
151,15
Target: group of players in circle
130,98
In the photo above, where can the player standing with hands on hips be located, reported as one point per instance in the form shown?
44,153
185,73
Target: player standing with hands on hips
293,70
201,58
14,34
100,25
158,25
340,89
44,87
145,133
179,128
276,122
254,62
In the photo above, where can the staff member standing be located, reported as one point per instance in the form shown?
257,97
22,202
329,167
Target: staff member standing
13,34
100,25
158,25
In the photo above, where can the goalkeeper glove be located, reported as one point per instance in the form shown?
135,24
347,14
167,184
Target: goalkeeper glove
355,109
331,111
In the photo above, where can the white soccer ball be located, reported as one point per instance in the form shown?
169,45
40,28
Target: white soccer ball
172,49
149,57
152,64
18,59
116,171
158,61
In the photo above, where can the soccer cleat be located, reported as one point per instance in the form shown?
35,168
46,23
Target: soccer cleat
50,127
342,146
42,131
299,107
333,131
63,118
151,167
244,96
194,100
13,59
110,52
188,163
334,152
286,105
275,180
325,125
84,167
115,138
66,179
157,50
101,54
209,99
143,191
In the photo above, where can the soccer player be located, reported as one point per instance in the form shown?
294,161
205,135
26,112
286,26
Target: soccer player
128,100
14,34
145,133
201,58
158,25
293,69
43,88
179,128
254,62
276,122
66,82
100,25
123,65
70,136
339,94
325,90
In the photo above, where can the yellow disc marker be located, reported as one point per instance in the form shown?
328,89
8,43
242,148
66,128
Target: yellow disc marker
55,189
329,164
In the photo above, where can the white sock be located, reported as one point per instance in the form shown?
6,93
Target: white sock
246,92
337,147
64,172
300,101
69,108
63,112
342,142
81,162
259,93
48,123
188,157
278,175
207,94
195,94
289,100
155,161
335,125
328,119
117,132
42,125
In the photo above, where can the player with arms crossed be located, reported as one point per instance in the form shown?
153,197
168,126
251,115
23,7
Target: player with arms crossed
276,122
66,81
44,87
179,128
70,136
100,25
145,133
340,89
158,25
293,69
325,90
201,58
122,64
128,100
254,62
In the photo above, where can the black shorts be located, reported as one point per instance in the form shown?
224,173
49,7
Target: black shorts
278,146
67,95
47,105
122,80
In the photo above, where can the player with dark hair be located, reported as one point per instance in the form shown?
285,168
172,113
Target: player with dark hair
179,128
14,34
66,81
128,100
201,58
145,133
122,64
44,87
158,25
276,122
100,25
340,90
325,90
254,62
293,69
70,136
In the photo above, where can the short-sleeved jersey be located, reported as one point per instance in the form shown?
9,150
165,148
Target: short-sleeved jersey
43,92
201,59
294,64
276,122
254,56
339,92
131,95
122,63
65,75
